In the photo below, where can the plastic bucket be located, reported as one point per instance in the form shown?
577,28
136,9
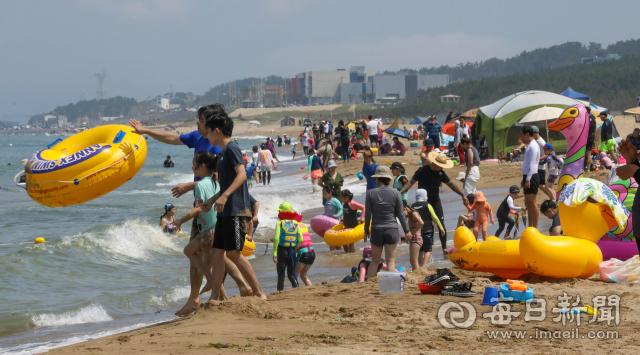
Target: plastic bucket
390,283
360,176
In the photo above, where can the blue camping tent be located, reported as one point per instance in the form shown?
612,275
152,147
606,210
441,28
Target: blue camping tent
575,95
416,120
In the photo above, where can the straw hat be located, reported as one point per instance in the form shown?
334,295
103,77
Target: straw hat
440,160
383,172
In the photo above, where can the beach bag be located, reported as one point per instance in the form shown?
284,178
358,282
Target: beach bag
615,270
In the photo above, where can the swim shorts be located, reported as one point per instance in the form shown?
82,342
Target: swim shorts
427,242
306,258
230,232
417,239
206,237
608,145
534,183
552,179
373,138
543,175
380,237
195,228
316,174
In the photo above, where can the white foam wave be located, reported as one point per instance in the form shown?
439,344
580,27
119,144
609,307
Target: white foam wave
91,314
251,137
156,192
134,239
176,294
175,179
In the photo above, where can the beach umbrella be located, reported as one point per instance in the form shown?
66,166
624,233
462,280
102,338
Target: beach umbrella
394,131
450,129
543,114
255,123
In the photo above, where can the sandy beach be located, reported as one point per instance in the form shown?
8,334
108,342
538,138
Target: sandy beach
355,319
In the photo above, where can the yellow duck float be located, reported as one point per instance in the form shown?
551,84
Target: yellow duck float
587,208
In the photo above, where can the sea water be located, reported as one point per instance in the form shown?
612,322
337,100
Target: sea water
106,267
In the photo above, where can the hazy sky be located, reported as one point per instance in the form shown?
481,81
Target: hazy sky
50,50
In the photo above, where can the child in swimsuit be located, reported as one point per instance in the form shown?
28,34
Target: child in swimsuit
360,272
167,219
484,213
503,212
350,218
305,258
288,237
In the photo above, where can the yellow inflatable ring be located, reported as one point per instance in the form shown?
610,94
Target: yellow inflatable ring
339,236
85,166
248,248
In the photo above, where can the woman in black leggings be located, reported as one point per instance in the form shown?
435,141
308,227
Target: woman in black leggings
503,212
266,176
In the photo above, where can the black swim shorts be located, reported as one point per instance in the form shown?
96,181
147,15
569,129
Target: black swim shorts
534,183
427,242
230,232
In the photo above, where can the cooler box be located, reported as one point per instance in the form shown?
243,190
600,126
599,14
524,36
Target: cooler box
413,144
390,283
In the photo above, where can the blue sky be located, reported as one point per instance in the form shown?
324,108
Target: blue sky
50,50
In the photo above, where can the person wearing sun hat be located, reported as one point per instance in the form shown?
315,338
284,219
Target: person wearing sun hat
430,177
383,205
288,236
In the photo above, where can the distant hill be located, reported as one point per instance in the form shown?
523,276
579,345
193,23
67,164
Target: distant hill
562,55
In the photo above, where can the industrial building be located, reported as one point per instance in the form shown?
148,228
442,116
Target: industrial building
356,86
399,86
48,120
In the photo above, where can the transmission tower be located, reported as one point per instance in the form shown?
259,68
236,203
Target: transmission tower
101,93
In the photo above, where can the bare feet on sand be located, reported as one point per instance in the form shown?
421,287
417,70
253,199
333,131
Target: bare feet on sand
188,308
244,292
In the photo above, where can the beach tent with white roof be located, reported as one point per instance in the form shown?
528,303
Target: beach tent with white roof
493,121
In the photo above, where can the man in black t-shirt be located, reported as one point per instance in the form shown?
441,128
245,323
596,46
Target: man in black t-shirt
591,138
635,138
549,209
231,203
430,177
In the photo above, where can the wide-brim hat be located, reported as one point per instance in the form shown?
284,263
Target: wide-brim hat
383,172
440,160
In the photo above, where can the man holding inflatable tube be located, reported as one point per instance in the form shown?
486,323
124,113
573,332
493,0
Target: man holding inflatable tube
196,141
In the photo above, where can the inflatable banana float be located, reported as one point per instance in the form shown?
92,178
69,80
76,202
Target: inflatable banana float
85,166
339,235
500,257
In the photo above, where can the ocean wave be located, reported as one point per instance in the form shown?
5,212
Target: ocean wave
176,294
134,239
93,313
174,179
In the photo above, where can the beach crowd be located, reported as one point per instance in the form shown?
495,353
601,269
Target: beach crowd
224,213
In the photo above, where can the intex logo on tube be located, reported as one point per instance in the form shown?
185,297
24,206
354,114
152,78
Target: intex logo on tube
37,165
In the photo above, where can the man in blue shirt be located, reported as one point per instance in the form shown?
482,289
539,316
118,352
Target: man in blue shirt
607,144
434,131
197,142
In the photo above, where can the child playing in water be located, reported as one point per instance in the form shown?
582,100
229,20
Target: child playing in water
204,166
288,237
482,217
350,215
250,169
305,258
503,211
332,207
167,219
429,219
293,151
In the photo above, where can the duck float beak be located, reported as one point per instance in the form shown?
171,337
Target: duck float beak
565,120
